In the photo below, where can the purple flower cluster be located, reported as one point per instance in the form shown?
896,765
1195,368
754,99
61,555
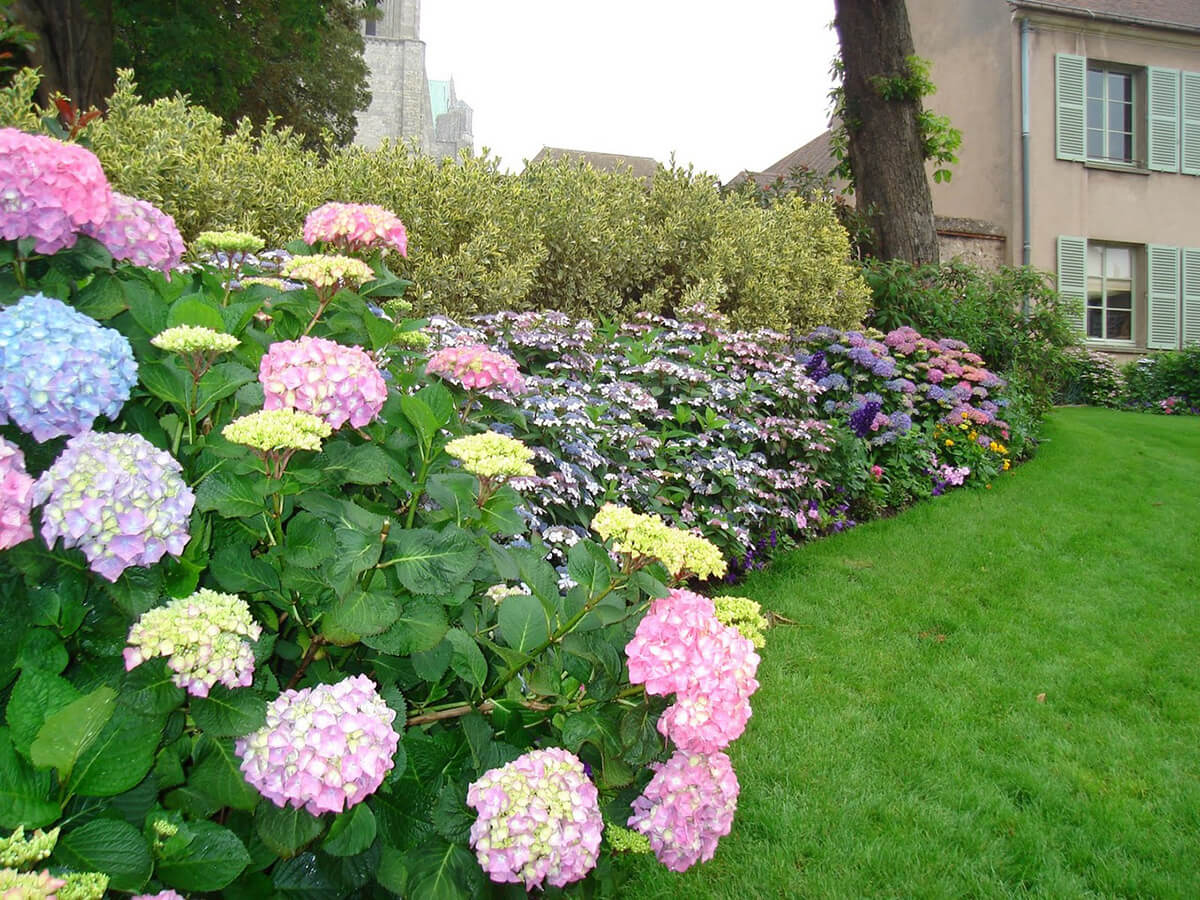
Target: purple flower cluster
324,748
60,369
862,420
337,383
116,497
51,190
16,496
539,820
139,232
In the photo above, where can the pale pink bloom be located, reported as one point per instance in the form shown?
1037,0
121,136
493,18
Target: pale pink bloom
476,366
16,496
323,378
355,227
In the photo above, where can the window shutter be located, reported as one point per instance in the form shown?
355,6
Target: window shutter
1191,296
1163,136
1072,276
1070,106
1189,109
1163,330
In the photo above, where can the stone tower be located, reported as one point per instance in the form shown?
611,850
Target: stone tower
402,106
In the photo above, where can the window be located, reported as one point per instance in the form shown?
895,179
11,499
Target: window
1135,116
1109,292
1110,115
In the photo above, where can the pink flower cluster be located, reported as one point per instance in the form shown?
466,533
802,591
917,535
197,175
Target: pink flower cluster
953,475
322,378
539,820
681,647
325,748
687,808
139,232
16,496
475,366
356,227
50,190
168,894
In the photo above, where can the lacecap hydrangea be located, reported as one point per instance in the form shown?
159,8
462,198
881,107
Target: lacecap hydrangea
139,232
60,369
324,748
116,497
16,496
687,807
205,638
539,820
49,190
324,378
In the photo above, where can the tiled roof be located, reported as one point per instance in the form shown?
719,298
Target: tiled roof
1174,14
643,166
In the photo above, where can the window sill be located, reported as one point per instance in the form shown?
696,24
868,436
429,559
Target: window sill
1131,169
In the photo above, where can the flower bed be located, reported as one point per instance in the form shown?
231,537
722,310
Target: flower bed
297,603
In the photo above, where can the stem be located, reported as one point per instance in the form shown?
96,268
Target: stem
464,709
419,490
321,304
369,575
317,643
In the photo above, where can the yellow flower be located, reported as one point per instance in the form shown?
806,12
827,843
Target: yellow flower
1007,464
949,443
649,536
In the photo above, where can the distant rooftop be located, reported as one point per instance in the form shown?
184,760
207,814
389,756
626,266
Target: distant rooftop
643,167
1182,15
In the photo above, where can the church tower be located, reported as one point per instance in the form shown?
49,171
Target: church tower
401,103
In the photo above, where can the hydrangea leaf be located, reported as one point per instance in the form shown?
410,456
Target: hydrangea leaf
219,382
466,658
165,380
120,756
351,832
212,859
523,622
101,298
24,793
429,562
309,541
192,310
286,830
440,870
218,777
229,713
363,613
36,695
110,846
229,495
67,733
149,688
346,464
236,570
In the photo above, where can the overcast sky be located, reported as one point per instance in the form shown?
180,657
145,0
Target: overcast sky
724,86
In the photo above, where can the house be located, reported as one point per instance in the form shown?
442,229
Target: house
1080,153
642,167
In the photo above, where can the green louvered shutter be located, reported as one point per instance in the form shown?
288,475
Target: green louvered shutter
1162,332
1189,114
1070,106
1163,136
1072,275
1191,296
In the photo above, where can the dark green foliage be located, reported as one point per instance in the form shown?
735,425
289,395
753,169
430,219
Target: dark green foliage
1163,375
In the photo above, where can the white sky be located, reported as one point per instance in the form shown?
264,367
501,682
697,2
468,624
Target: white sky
724,85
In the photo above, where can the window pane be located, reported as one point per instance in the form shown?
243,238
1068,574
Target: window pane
1095,262
1095,144
1118,263
1095,323
1119,324
1120,86
1095,84
1120,146
1120,297
1095,112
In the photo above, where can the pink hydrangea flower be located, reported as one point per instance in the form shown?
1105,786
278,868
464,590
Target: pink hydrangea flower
539,820
356,227
325,748
140,233
662,653
49,190
687,808
475,366
322,378
168,894
16,496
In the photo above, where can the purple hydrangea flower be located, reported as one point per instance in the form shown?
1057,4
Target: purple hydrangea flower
901,422
863,418
833,382
816,367
49,190
16,496
116,497
325,748
139,232
539,820
60,369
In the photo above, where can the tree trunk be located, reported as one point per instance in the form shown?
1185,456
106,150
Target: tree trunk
886,154
74,48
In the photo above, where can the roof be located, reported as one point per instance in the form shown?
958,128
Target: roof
643,167
1180,15
816,155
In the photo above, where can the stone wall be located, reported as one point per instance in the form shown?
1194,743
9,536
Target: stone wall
974,242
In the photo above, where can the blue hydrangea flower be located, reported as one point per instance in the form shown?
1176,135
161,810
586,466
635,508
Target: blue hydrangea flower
60,369
116,497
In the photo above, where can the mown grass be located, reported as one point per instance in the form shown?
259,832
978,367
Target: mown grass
901,745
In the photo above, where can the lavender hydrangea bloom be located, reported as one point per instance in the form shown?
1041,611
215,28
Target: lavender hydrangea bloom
816,366
901,422
325,748
863,417
60,369
139,232
834,382
116,497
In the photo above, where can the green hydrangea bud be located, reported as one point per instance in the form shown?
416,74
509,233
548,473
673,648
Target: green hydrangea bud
278,429
228,242
194,339
83,886
492,455
19,852
743,614
625,840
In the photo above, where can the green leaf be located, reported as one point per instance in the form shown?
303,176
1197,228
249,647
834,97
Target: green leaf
466,659
101,298
212,859
364,464
150,689
286,830
428,562
451,816
540,576
431,664
523,622
192,310
589,566
24,793
356,552
439,870
590,727
219,382
230,495
308,876
111,846
145,305
455,492
440,402
421,625
364,612
422,418
120,757
42,649
166,381
218,775
236,571
229,712
67,733
341,513
36,695
309,541
351,832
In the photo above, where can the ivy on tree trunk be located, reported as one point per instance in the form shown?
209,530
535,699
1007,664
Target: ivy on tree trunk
885,141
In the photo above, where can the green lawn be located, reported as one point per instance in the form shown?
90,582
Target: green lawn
901,744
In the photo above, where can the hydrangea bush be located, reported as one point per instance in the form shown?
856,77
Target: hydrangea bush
282,613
